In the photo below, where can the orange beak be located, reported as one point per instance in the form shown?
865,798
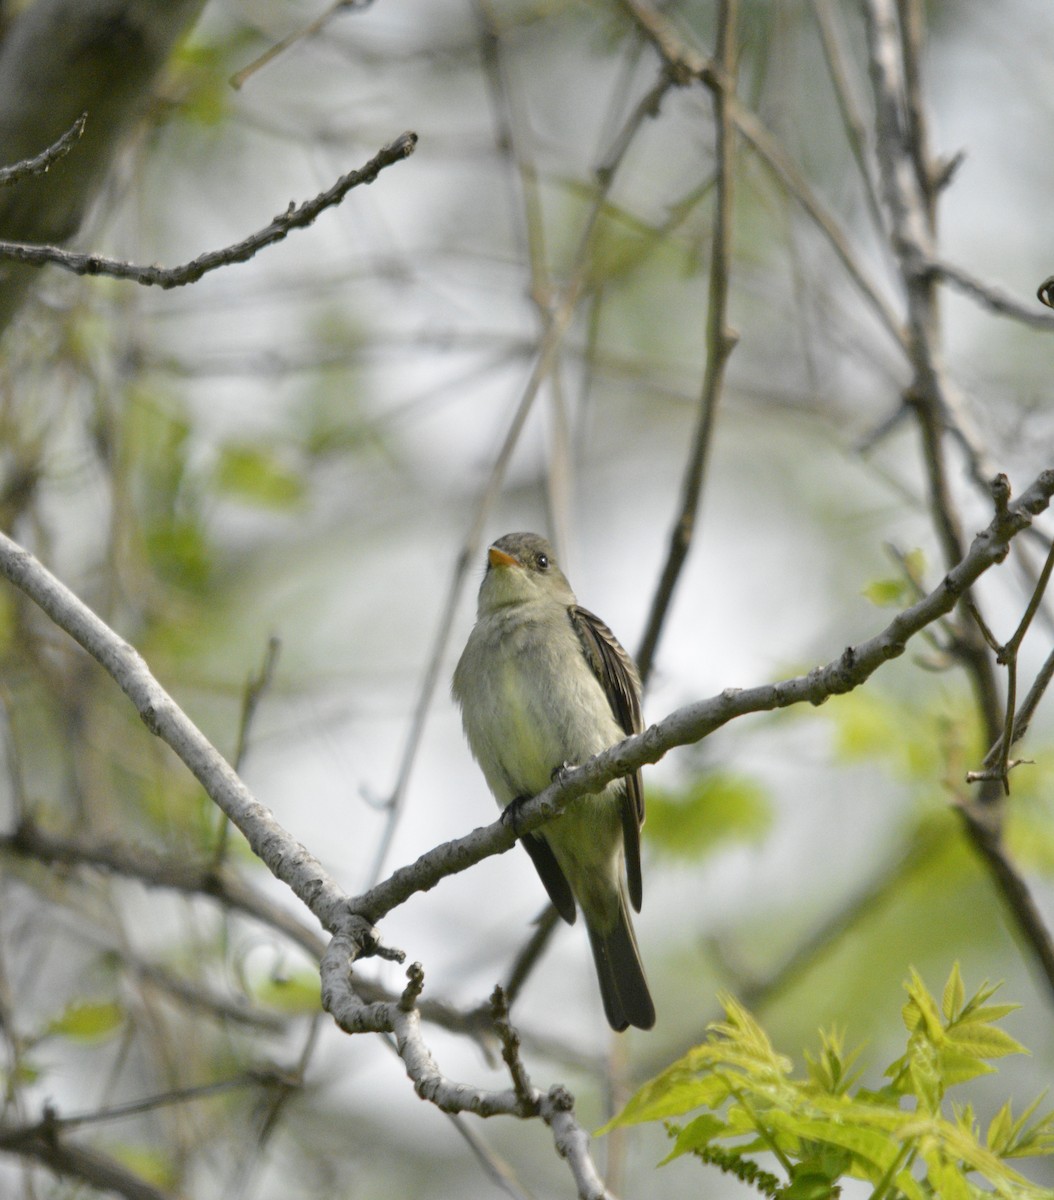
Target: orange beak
498,558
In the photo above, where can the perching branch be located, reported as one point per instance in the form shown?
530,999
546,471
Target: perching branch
295,217
696,721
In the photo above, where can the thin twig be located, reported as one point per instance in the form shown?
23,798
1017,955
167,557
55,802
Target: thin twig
295,217
1027,708
401,1019
40,164
239,78
227,888
73,1161
720,342
255,687
833,37
997,763
986,836
993,297
687,66
525,961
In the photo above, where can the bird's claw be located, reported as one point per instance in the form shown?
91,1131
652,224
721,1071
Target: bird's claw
510,814
559,773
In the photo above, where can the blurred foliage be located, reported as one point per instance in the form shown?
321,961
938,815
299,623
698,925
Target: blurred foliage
88,1022
716,808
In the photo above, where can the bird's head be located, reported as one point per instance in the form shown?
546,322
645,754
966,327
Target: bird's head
522,569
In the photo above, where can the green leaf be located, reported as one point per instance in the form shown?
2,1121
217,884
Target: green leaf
884,593
1000,1129
949,1183
921,1014
954,995
698,1133
88,1022
984,1041
679,1089
831,1069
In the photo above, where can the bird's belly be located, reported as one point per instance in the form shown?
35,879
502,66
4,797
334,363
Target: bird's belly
524,727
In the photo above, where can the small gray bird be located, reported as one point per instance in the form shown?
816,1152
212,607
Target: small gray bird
543,683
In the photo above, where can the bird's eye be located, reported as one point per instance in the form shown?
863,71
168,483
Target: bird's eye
542,562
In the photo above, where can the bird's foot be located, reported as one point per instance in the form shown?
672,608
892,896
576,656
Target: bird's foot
510,814
559,774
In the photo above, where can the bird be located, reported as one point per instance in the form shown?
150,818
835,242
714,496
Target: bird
543,684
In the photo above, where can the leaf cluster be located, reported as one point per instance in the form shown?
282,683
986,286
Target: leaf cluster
902,1139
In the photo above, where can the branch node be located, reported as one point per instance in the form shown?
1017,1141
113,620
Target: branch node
415,973
1000,489
561,1099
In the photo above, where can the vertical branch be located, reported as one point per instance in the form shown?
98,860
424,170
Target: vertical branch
910,186
559,315
833,40
720,340
910,189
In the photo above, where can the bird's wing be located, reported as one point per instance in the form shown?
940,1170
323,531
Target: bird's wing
550,874
617,675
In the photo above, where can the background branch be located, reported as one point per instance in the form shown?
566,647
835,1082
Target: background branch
295,217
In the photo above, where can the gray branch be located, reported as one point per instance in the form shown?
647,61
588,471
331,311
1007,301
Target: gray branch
58,60
297,216
40,163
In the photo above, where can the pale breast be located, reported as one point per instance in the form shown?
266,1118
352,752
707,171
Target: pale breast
533,705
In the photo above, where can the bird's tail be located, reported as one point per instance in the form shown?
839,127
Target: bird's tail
623,987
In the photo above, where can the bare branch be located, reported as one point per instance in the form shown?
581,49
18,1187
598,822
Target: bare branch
994,298
283,855
39,164
686,66
43,1143
295,217
239,78
986,835
154,870
720,342
402,1020
910,185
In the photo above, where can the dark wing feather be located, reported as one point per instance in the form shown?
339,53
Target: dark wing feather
549,871
617,675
